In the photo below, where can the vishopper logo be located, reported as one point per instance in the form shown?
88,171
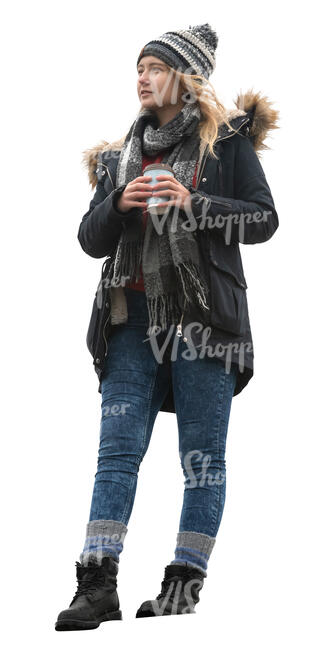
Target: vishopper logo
189,97
97,546
193,474
179,597
159,221
115,409
204,221
106,283
227,222
108,153
223,351
115,283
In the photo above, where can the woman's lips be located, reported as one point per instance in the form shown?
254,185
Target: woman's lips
146,92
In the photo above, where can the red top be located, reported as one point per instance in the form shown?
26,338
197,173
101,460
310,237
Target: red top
149,160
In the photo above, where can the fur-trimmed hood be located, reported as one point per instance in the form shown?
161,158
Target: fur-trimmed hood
262,119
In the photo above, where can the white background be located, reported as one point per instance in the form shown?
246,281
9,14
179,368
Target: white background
69,81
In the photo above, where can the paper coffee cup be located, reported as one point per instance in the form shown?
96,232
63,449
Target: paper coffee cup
154,202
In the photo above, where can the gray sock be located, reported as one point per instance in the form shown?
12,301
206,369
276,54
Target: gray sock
104,537
193,549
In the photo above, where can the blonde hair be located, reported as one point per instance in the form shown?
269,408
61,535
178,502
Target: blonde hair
213,111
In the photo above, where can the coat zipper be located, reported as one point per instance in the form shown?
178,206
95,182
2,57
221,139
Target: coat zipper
200,171
106,342
109,173
205,154
179,331
226,204
109,313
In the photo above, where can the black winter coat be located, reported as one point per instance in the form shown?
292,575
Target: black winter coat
233,191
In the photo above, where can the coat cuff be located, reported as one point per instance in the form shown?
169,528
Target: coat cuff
116,193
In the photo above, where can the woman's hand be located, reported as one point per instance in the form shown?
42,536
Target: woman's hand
179,194
134,194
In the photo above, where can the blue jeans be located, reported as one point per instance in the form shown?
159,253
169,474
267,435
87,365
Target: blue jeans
134,386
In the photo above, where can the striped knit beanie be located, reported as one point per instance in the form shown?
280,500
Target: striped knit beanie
189,50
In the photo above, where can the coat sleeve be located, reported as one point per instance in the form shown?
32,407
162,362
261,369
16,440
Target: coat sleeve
250,216
101,226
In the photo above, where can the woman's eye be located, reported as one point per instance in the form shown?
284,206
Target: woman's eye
139,71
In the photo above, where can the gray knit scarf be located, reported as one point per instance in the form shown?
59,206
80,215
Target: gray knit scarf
170,260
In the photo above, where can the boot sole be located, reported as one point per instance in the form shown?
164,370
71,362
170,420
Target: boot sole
149,614
75,624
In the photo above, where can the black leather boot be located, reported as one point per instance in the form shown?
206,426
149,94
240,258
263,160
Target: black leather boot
179,592
96,598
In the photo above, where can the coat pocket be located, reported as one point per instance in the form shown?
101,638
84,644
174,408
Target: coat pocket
229,309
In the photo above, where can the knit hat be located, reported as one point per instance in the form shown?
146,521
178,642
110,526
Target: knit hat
189,50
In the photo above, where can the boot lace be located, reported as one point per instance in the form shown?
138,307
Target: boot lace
165,585
92,579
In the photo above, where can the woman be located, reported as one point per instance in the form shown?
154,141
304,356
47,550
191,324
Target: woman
170,327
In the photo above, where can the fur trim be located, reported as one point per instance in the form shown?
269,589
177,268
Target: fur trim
89,157
263,119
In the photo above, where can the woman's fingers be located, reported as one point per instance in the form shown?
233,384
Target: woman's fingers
135,195
141,180
171,182
136,204
164,192
138,187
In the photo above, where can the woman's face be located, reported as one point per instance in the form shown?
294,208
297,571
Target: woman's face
155,77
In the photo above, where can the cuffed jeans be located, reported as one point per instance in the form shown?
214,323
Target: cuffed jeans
134,387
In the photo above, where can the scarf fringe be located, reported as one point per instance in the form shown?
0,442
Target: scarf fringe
126,266
164,309
191,282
